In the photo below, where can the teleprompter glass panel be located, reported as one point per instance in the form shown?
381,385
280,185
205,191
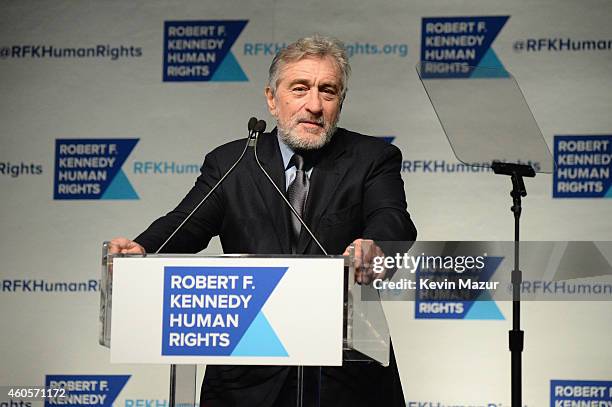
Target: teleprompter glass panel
484,115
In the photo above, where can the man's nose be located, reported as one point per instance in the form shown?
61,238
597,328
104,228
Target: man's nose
314,104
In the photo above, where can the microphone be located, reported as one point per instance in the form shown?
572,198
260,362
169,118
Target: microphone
261,125
252,133
256,130
251,125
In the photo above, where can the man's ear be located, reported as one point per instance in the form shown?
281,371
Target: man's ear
270,100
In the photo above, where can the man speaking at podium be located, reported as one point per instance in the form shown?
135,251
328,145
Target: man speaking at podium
346,186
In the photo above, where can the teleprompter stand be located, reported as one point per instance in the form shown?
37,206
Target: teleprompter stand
516,337
489,124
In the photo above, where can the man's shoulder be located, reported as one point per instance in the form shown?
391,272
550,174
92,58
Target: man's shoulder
235,146
362,144
226,154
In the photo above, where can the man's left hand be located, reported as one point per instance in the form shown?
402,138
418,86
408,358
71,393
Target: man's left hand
365,251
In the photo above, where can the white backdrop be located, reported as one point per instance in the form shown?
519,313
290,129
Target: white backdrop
44,98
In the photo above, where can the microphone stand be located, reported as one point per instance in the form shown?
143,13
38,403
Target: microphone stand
253,130
516,337
300,369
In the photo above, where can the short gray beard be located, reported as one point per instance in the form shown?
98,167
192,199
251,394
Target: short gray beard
297,144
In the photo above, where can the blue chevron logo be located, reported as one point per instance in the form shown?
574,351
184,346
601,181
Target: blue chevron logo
217,311
201,51
91,169
458,304
460,47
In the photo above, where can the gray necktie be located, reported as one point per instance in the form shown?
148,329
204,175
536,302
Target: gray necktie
297,193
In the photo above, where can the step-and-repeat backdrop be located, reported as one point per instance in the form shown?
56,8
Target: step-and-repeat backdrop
108,108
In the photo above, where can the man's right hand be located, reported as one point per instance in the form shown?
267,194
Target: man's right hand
125,246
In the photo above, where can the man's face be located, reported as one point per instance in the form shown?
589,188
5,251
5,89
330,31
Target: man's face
307,102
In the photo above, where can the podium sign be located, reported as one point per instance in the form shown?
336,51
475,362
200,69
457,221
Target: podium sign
230,310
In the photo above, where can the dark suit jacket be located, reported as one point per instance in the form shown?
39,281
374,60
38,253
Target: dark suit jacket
356,191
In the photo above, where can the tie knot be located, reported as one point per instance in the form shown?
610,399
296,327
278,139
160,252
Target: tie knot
298,161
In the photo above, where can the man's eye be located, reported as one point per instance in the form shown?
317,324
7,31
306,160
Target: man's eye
329,93
299,89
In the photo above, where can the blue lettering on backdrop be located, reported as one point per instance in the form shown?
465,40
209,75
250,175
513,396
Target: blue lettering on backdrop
583,166
91,169
451,302
580,393
200,51
460,47
86,390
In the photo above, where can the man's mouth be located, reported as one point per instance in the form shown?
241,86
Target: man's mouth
311,123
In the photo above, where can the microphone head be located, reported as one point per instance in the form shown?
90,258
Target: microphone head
260,126
252,123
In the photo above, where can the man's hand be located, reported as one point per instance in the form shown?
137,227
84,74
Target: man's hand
125,246
365,251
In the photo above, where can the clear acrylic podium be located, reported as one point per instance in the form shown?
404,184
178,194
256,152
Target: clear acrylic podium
365,333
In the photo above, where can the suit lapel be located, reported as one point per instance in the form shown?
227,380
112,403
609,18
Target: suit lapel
325,179
271,159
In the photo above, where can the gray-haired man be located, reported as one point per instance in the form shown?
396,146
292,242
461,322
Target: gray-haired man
348,189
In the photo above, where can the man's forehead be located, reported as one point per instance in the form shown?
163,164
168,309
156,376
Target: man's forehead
311,65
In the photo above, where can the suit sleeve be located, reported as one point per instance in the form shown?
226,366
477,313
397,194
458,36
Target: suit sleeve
205,223
386,217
